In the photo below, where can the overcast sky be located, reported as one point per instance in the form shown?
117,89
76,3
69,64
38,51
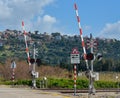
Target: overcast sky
99,17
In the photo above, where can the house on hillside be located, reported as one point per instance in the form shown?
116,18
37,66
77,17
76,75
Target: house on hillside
56,36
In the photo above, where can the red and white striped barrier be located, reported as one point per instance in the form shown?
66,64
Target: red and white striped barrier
80,30
25,37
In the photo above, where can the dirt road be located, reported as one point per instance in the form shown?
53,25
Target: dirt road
9,92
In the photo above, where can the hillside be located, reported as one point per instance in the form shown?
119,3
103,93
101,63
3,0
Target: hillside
55,49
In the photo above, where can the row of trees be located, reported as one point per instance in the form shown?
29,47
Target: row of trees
103,65
57,52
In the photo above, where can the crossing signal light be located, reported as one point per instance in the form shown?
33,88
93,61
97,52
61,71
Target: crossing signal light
32,61
99,56
37,61
90,56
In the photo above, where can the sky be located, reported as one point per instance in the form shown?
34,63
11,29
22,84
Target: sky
101,18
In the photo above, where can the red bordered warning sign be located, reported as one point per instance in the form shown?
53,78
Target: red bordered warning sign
75,58
75,51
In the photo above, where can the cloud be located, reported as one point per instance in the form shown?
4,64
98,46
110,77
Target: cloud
12,12
5,12
49,19
111,30
46,23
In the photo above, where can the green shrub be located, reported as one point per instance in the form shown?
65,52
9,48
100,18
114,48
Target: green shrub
23,82
81,84
105,84
64,83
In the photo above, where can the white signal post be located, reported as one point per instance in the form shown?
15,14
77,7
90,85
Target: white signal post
75,59
34,73
91,44
91,86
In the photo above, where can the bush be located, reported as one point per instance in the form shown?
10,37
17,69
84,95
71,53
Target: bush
81,84
64,83
23,82
60,83
105,84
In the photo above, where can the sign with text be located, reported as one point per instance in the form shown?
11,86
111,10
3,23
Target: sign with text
75,58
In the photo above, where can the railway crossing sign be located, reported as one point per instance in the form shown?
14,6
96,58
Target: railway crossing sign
75,58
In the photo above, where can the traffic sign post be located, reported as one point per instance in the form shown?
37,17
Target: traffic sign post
75,59
75,79
13,66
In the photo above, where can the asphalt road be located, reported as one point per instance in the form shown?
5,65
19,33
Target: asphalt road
6,92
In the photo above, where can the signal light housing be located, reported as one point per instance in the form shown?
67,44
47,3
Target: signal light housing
99,56
90,56
37,61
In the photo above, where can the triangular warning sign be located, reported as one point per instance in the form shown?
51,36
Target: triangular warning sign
75,51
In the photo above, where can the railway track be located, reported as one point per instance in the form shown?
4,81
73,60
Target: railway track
81,90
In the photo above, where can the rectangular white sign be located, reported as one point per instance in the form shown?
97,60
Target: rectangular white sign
75,59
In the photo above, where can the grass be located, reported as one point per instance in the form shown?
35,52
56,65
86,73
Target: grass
109,76
105,76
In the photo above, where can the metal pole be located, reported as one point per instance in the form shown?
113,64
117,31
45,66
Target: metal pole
13,75
13,66
118,85
34,73
75,78
91,85
117,78
34,58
